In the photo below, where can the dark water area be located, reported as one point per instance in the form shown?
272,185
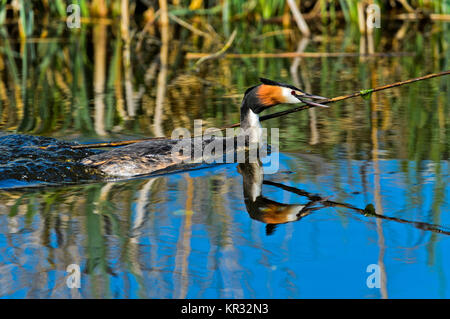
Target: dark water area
362,183
28,160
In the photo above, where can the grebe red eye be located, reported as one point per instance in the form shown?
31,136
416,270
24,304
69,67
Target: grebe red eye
293,92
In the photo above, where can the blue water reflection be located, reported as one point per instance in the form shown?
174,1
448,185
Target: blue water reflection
189,235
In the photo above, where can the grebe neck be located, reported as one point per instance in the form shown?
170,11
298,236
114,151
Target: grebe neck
250,124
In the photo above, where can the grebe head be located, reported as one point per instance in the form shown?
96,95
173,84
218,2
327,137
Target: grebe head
267,94
270,93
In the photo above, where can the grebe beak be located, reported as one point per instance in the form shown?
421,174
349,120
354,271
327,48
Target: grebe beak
303,96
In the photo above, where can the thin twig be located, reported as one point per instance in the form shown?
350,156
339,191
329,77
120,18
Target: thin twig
189,26
219,53
194,55
145,29
418,16
406,5
282,113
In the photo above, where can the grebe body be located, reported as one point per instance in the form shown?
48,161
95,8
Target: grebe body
161,155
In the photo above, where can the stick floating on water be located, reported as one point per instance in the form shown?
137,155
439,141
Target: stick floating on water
282,113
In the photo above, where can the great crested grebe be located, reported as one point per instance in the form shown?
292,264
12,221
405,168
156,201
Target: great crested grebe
159,156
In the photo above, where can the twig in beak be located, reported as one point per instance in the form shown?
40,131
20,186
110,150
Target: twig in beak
313,103
316,97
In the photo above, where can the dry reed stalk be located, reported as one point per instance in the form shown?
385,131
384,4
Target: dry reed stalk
162,76
193,55
125,32
301,23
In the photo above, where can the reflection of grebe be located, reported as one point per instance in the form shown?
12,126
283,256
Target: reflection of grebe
156,155
263,209
274,213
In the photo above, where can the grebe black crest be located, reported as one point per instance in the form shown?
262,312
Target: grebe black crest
161,155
